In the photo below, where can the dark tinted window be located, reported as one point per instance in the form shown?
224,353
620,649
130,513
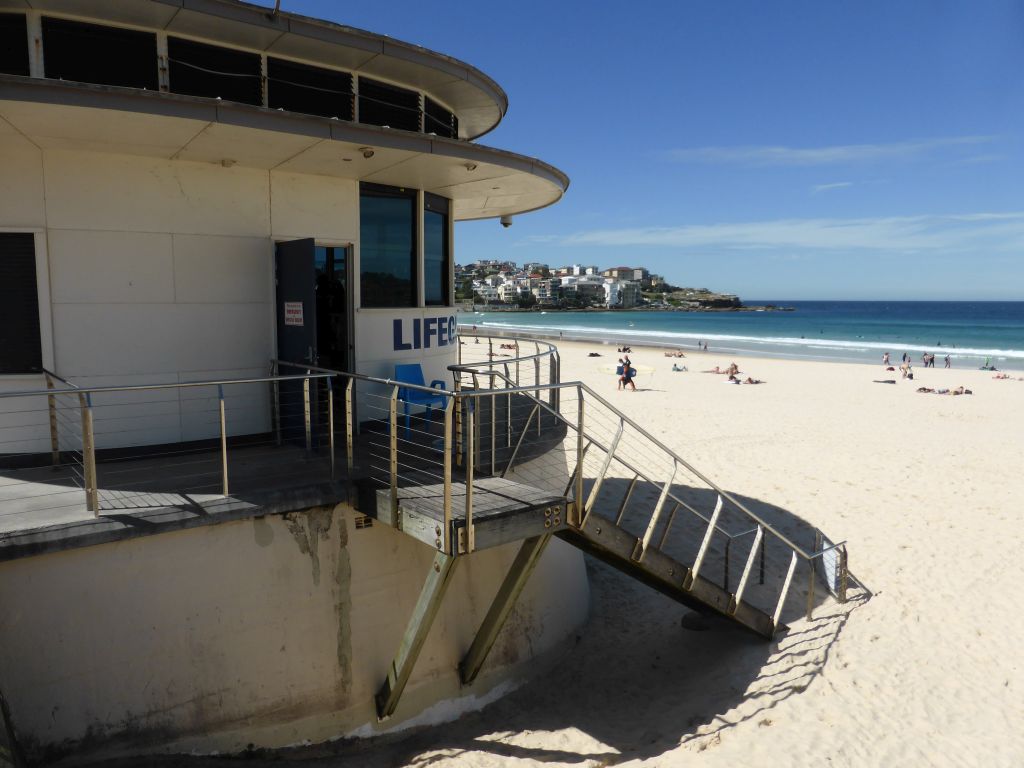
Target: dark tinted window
383,104
387,246
311,90
90,53
13,44
436,251
20,350
437,119
198,69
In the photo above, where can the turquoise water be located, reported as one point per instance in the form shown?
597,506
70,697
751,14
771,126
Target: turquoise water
858,331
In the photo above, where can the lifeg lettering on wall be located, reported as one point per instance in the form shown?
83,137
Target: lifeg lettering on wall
427,333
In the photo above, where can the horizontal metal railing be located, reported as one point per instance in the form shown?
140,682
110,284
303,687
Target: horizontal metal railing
83,426
500,415
603,439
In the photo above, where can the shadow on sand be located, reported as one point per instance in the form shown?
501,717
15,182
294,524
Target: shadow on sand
635,684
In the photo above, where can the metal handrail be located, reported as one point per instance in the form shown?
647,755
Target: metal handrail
146,387
725,494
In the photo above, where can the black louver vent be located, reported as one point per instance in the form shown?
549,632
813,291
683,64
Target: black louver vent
437,119
13,44
91,53
198,69
311,90
20,350
383,104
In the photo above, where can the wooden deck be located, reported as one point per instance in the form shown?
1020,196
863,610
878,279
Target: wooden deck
503,511
162,488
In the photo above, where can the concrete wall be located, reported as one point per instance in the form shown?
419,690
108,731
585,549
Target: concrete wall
156,271
268,631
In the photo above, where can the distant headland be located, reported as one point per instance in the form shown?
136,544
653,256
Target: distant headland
505,286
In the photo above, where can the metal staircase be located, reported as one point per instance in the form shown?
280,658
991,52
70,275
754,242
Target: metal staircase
516,456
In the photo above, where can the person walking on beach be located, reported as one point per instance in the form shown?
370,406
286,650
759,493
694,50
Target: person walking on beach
948,365
885,359
705,346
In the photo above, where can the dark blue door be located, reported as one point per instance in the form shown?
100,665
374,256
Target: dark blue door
296,333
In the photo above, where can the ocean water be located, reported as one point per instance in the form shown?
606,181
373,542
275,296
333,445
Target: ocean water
853,331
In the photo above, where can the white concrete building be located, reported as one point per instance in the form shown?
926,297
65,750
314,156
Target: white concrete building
186,194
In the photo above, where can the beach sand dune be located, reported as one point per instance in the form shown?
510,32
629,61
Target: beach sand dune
928,492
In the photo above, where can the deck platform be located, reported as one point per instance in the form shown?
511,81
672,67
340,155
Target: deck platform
503,511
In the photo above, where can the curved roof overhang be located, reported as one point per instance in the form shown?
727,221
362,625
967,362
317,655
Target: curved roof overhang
481,181
479,101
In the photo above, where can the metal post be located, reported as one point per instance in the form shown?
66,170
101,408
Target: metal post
494,426
51,403
844,571
625,499
761,576
668,526
657,511
330,423
758,538
705,544
416,631
785,590
306,413
812,566
579,457
275,403
89,455
470,451
509,591
393,430
595,488
349,425
490,348
458,421
446,534
810,590
552,380
223,442
725,566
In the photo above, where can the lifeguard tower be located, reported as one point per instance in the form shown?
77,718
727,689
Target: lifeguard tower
230,512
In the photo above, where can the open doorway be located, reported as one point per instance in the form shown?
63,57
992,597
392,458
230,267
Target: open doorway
314,329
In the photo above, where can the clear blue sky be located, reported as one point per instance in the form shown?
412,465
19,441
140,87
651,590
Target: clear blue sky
773,149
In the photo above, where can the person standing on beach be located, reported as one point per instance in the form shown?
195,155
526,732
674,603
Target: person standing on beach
885,359
948,365
705,346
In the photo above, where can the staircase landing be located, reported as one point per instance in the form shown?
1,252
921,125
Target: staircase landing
503,511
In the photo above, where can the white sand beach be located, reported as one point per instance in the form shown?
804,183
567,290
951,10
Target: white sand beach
927,491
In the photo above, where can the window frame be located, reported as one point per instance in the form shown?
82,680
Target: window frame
442,206
403,193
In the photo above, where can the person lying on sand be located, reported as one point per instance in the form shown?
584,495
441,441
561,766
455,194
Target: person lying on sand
943,391
1002,376
732,379
884,381
750,380
713,370
733,369
678,368
675,353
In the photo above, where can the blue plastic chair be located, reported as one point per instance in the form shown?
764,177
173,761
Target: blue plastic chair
412,373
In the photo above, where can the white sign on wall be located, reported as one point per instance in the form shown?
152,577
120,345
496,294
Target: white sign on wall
293,313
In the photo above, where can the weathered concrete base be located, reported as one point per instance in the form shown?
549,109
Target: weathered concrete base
271,632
